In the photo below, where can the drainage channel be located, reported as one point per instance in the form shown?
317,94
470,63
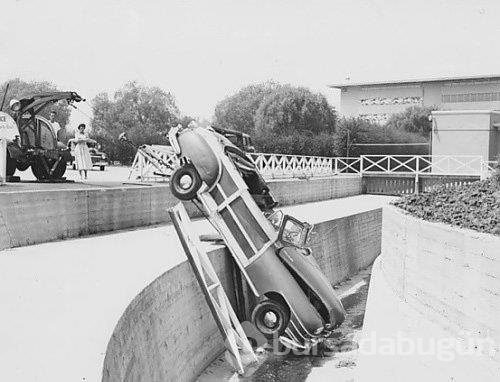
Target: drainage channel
338,364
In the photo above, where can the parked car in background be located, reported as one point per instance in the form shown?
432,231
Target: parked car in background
99,158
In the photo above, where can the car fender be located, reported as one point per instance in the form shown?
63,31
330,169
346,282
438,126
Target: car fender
269,274
195,148
305,266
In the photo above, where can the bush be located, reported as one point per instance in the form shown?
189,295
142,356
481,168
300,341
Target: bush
473,206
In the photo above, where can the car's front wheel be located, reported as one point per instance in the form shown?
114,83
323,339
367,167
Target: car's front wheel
185,182
271,318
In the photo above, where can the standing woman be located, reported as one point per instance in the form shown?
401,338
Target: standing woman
81,151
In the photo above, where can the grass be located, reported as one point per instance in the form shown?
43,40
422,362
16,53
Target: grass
475,206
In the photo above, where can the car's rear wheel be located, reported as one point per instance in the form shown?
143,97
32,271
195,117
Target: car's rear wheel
185,182
11,165
271,318
102,168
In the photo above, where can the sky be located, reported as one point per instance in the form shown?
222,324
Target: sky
202,51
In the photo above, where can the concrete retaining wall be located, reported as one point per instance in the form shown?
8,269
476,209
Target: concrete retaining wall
33,217
442,283
168,334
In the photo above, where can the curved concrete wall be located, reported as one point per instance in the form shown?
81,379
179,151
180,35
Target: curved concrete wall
431,282
168,333
32,217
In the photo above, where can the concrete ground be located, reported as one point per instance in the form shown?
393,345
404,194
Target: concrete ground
113,176
61,300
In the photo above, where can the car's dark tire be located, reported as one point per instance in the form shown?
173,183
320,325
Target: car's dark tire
271,318
102,168
185,182
11,165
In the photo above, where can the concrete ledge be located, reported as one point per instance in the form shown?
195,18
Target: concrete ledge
167,332
434,282
32,217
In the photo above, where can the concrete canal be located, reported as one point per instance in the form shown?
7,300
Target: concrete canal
337,364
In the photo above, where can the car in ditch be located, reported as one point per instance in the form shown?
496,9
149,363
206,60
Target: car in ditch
293,300
36,146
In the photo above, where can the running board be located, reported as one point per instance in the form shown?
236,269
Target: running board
235,339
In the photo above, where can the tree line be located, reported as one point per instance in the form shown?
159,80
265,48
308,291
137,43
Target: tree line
280,118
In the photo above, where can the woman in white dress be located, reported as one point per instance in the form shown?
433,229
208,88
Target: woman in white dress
81,151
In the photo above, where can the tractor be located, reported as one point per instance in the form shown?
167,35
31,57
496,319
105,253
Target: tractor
37,146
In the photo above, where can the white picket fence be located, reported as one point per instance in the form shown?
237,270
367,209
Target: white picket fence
152,160
153,163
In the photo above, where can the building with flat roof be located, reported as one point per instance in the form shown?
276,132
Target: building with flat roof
376,101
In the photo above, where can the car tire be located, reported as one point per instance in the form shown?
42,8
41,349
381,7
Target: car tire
11,165
271,318
185,182
102,168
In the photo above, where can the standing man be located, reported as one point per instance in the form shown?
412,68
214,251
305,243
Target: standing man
55,125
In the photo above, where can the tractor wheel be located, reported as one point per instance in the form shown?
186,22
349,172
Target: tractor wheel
271,318
11,165
41,173
23,166
185,182
60,169
38,170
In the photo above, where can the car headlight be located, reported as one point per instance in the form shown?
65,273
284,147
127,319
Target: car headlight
15,105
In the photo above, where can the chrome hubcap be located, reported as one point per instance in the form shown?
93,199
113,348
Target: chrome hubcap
270,319
185,182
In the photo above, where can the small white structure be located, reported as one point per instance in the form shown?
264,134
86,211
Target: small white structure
8,131
466,132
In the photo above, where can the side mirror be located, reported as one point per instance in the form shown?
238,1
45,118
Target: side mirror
275,219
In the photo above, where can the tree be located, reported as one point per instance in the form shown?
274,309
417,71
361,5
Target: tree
144,113
414,119
22,89
289,109
237,112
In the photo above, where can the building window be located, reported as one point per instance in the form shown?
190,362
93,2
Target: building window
391,101
470,97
